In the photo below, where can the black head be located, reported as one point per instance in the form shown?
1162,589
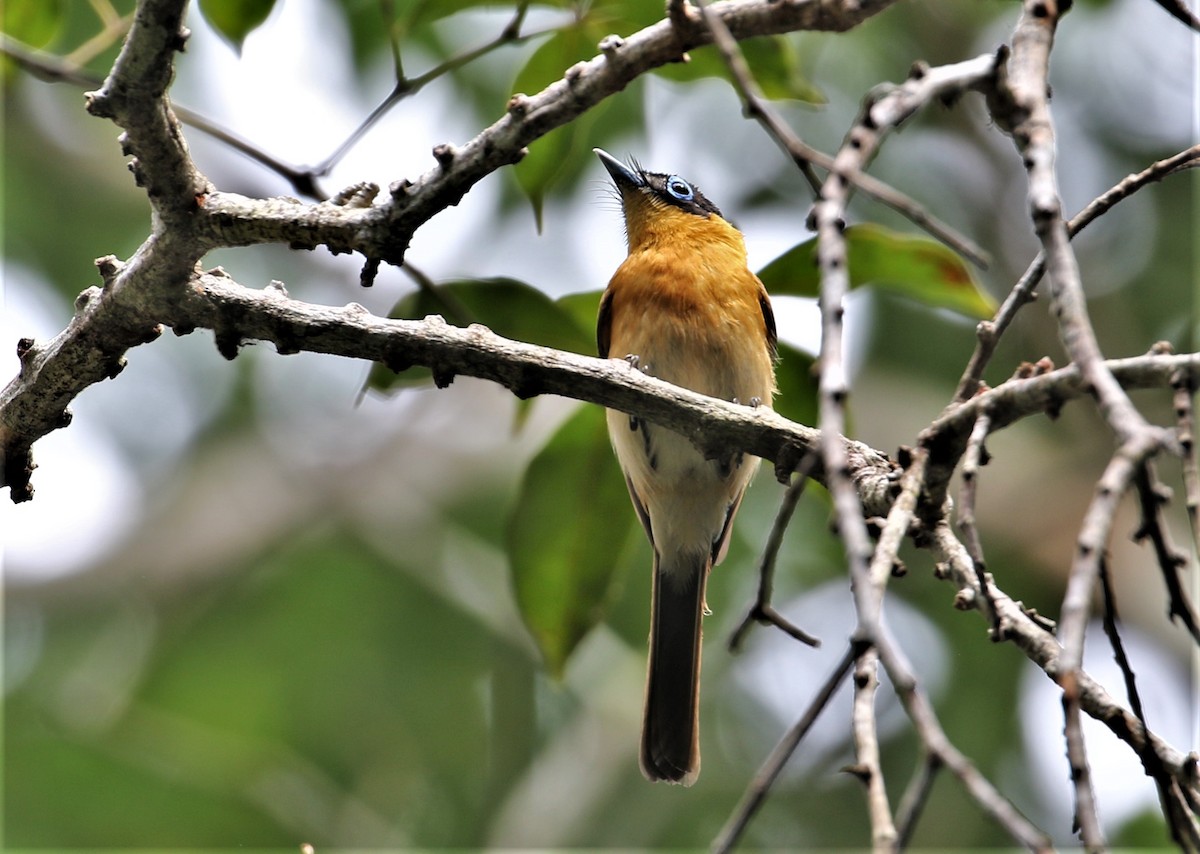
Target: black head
667,189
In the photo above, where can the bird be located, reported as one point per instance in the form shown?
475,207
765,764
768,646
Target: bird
684,307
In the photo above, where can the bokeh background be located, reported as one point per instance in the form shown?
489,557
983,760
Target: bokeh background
252,606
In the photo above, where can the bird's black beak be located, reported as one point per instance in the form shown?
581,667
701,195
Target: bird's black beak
624,177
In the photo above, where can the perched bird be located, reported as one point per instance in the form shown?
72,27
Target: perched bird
685,308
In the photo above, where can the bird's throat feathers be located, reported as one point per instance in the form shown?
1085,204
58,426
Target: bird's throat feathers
652,224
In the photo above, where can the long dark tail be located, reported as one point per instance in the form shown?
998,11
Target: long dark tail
671,727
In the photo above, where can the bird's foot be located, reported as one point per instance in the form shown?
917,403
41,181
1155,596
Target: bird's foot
635,361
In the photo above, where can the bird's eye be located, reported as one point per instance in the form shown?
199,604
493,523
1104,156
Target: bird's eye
680,189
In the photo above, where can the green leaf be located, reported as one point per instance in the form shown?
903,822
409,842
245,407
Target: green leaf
550,155
797,397
506,306
571,525
33,22
916,267
235,19
772,60
564,155
584,307
412,15
776,67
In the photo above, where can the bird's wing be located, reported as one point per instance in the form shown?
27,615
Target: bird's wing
768,313
643,516
604,325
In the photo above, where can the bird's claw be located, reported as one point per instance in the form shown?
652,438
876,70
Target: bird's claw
635,361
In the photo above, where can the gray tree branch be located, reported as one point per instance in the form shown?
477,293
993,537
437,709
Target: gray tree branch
192,218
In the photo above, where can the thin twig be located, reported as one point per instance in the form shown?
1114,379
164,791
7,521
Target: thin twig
804,156
406,87
762,611
867,766
933,737
1179,10
1042,648
1151,497
1092,543
757,791
1179,820
915,797
1021,105
755,105
833,390
113,28
989,332
303,179
1087,820
899,521
55,70
917,706
973,458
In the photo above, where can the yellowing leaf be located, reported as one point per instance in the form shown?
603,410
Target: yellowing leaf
916,267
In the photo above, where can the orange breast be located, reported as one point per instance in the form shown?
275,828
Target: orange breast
694,319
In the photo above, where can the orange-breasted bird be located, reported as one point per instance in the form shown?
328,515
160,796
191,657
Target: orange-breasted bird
684,307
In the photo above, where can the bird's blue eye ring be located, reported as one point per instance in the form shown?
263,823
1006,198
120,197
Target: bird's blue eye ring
680,188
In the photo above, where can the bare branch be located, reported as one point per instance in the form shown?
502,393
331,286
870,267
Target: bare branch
529,117
1028,117
46,67
1152,495
134,96
139,295
1087,819
1092,543
935,83
933,737
407,87
1043,649
916,795
757,791
974,457
1022,106
866,749
762,611
900,519
110,321
1181,823
191,219
990,331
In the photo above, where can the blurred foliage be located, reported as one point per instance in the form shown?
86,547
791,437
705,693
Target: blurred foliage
567,534
80,30
360,653
236,19
33,22
916,267
776,63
